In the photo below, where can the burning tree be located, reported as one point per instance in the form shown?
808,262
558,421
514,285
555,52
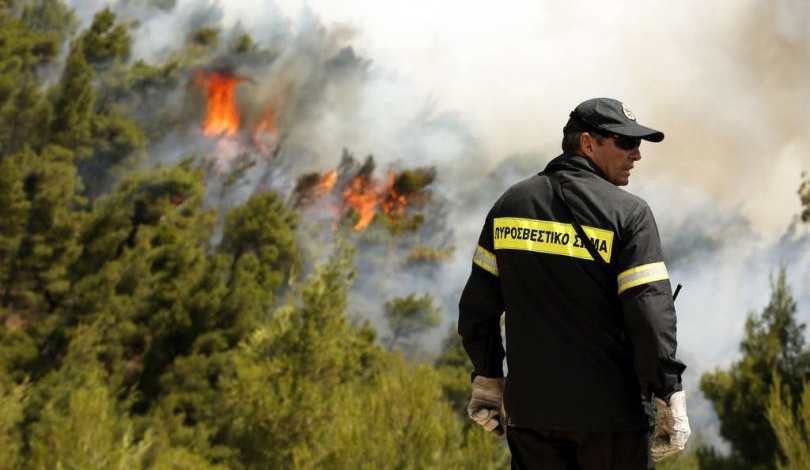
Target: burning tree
223,115
354,194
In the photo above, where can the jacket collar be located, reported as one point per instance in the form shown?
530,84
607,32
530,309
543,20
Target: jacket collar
573,162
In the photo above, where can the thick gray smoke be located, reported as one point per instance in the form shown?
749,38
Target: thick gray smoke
481,92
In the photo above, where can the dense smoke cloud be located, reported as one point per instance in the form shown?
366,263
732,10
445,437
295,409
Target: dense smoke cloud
481,92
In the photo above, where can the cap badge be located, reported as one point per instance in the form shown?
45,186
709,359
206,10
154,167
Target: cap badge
628,113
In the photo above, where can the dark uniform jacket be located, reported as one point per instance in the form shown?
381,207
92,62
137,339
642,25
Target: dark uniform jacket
586,344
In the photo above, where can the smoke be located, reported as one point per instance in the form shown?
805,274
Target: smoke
481,92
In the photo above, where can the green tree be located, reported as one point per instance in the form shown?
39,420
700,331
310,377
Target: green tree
51,16
116,139
791,423
38,280
72,126
13,210
79,421
773,341
24,111
454,369
144,93
263,229
145,269
106,42
288,372
399,419
409,316
230,297
12,402
312,390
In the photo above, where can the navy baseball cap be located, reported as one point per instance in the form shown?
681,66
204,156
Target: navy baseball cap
609,116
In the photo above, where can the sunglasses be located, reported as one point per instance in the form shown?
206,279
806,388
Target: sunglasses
626,143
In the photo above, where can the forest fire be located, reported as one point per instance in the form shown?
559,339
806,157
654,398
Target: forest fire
225,118
394,204
223,115
357,194
354,191
362,194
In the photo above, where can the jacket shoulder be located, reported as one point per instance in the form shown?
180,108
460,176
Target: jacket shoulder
628,203
526,188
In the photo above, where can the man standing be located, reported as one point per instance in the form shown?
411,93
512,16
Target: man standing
576,265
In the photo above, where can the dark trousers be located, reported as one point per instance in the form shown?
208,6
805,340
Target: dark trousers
533,449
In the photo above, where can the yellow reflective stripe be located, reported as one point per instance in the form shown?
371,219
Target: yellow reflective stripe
485,260
544,236
643,274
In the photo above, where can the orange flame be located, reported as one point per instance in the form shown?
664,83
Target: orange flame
324,184
362,195
223,114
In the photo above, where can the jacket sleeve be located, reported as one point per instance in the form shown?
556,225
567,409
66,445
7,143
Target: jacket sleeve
648,308
480,309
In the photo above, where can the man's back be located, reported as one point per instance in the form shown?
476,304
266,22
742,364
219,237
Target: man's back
569,366
590,327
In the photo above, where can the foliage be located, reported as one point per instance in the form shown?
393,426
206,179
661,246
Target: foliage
454,373
791,423
81,423
105,42
24,111
309,366
51,16
72,125
12,402
408,316
773,341
139,328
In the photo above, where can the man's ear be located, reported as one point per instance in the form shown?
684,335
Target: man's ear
586,144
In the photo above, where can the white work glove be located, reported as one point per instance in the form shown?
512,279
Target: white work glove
672,429
485,406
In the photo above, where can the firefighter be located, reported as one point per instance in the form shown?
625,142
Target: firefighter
575,264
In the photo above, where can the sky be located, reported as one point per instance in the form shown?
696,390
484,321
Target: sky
482,89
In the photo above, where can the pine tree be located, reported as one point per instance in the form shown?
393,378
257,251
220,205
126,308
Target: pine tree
773,341
454,369
37,282
311,390
288,372
72,126
13,210
24,111
791,424
408,317
79,421
262,229
51,16
106,42
116,139
12,403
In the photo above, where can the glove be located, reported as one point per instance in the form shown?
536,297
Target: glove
486,402
672,429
